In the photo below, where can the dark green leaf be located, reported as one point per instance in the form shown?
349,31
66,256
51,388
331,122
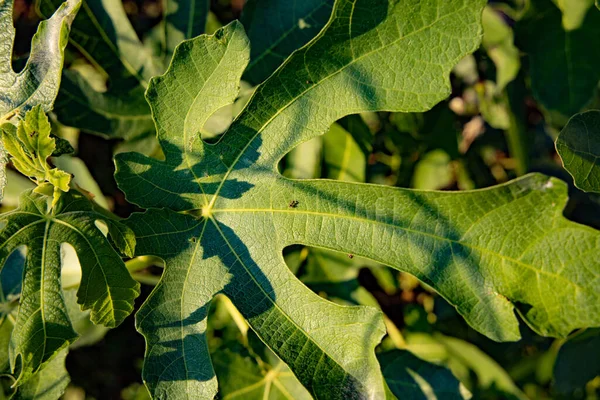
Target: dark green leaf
277,28
410,377
182,20
43,327
102,32
579,148
563,66
577,362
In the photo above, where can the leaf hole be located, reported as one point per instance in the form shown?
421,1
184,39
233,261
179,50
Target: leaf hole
221,119
70,275
11,274
101,225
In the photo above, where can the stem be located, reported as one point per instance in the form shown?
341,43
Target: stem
8,116
517,145
394,333
142,262
516,134
237,317
138,264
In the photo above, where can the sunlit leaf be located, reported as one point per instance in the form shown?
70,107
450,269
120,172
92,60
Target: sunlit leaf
221,213
43,327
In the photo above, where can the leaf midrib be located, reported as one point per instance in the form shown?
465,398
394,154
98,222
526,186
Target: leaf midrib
408,230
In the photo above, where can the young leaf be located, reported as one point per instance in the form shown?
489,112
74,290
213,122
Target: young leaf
38,83
30,144
43,327
572,80
394,56
276,28
579,148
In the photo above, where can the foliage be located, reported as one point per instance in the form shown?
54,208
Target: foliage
579,149
285,199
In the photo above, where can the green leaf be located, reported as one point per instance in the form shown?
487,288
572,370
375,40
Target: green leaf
43,327
245,376
410,377
182,20
62,146
38,82
344,159
467,362
579,148
240,194
47,384
103,33
30,144
222,213
433,171
277,28
573,12
577,362
336,274
572,80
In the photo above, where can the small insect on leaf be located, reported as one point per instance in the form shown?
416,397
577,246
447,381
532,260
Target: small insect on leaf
351,256
32,134
294,203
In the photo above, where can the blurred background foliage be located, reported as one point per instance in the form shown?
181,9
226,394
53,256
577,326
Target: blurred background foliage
509,101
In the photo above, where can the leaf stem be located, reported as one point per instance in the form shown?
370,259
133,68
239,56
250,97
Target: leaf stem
142,262
394,333
516,134
237,317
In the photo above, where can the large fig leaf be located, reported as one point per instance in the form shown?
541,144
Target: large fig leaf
579,148
221,213
43,327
